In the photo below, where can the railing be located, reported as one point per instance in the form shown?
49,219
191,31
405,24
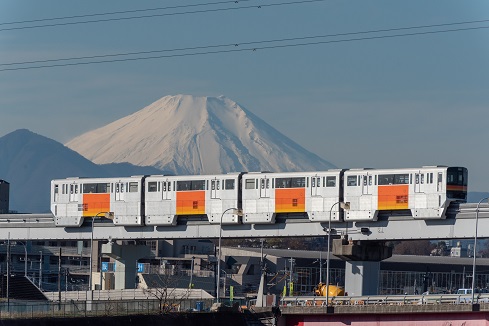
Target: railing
384,300
20,310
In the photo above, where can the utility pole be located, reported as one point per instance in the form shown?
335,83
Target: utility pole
59,276
40,270
292,260
8,272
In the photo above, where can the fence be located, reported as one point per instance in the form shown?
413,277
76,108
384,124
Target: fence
30,310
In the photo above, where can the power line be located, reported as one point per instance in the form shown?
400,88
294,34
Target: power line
163,14
248,49
122,12
246,43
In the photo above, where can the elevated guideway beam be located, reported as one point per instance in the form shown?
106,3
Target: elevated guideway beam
459,224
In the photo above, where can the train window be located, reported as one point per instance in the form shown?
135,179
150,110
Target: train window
324,182
369,180
217,184
290,182
313,182
183,185
191,185
401,179
364,180
417,178
56,189
386,179
229,184
250,184
152,187
440,177
330,181
422,178
96,188
431,177
159,186
393,179
351,180
76,189
164,186
268,183
133,187
213,184
307,182
318,182
273,183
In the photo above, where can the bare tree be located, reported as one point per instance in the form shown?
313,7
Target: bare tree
162,288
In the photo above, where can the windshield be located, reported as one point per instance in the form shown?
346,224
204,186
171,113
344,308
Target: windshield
457,176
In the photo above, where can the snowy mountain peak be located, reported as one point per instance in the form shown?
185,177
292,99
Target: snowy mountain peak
196,135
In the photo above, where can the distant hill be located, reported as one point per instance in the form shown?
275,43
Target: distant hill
196,135
29,162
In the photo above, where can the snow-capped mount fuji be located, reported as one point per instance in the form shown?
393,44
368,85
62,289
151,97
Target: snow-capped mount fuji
196,135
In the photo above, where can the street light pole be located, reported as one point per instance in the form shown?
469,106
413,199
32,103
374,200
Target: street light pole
320,261
238,212
91,251
40,269
91,257
342,205
475,246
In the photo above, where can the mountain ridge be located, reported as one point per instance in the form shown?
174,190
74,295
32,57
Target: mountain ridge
30,161
196,135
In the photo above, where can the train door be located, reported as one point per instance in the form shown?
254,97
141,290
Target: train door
119,191
215,188
264,187
73,192
367,184
165,189
439,183
315,184
419,182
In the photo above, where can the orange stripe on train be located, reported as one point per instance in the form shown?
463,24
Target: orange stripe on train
290,200
94,204
393,197
457,188
190,202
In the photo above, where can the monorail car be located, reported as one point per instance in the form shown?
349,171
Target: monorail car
423,193
73,199
169,197
310,194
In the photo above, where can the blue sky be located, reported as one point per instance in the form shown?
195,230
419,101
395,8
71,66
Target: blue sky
387,102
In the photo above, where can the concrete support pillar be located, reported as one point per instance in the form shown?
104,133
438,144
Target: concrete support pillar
362,266
126,257
362,277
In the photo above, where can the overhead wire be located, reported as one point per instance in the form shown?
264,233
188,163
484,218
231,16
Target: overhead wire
242,49
164,14
249,43
123,12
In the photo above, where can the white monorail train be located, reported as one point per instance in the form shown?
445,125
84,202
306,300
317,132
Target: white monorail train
420,193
